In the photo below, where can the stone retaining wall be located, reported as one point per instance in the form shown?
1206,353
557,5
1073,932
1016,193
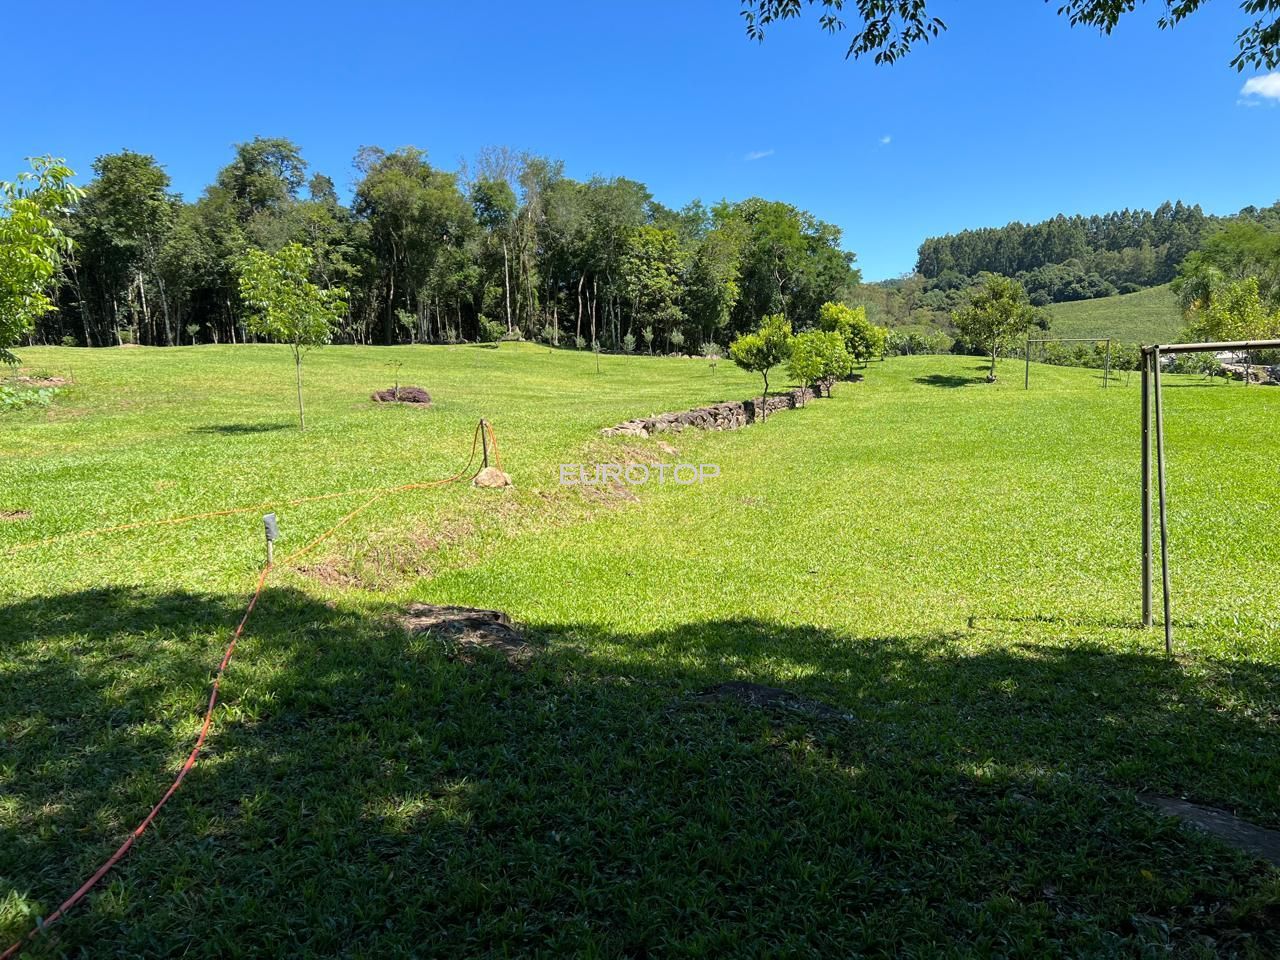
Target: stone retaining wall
718,416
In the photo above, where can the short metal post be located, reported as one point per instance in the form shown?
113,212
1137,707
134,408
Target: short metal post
273,533
1146,487
1026,380
1106,371
484,441
1164,517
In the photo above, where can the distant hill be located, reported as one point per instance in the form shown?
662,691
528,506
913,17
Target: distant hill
1148,316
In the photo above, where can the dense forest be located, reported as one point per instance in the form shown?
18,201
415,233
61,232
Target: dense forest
507,246
1121,252
1072,258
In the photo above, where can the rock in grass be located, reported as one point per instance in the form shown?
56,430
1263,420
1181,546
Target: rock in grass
467,629
491,478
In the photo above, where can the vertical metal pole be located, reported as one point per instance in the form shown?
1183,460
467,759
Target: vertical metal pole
1106,371
1146,487
484,441
1164,517
1026,380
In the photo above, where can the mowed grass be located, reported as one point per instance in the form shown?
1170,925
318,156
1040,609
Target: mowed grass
1148,316
952,564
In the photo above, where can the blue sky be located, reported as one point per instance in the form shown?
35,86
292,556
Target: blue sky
1009,115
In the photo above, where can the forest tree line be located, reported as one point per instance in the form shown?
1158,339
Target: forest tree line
1072,258
506,246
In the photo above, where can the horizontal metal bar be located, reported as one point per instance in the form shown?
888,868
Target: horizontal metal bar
1073,340
1213,347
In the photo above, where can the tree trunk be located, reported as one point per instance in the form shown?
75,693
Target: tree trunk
506,280
992,378
578,331
297,367
388,323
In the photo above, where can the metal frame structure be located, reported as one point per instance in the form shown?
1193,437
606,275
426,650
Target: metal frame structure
1153,402
1106,370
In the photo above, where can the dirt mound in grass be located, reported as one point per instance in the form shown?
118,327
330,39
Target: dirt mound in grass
468,630
412,395
13,516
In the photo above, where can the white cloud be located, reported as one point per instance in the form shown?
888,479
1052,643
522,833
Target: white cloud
758,154
886,140
1266,86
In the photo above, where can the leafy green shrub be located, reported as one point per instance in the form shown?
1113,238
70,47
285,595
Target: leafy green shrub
14,398
580,343
629,343
818,358
862,338
490,330
125,336
677,340
70,341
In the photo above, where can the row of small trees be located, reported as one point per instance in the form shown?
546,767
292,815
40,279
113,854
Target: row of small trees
815,358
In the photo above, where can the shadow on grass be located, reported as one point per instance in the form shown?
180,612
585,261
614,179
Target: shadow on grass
362,787
949,380
242,429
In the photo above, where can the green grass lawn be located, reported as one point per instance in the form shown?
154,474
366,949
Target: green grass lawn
953,564
1148,316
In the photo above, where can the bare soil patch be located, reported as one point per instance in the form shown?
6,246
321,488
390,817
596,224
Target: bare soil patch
13,516
414,396
467,630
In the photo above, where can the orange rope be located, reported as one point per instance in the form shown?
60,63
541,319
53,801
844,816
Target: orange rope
83,890
497,457
231,511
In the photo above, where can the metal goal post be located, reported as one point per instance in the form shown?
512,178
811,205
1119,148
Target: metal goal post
1106,369
1152,402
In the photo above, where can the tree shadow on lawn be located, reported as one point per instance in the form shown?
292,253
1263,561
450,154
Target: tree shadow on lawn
361,787
948,380
241,429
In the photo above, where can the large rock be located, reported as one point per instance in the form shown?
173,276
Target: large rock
491,478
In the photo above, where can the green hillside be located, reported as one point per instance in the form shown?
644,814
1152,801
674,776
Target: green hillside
1148,316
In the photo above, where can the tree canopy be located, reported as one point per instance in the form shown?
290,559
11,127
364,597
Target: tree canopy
506,245
888,29
32,245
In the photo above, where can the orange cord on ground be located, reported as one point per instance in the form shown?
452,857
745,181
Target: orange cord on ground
124,848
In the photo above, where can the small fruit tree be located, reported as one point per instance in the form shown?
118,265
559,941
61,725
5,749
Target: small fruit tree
862,338
285,305
818,358
998,312
763,350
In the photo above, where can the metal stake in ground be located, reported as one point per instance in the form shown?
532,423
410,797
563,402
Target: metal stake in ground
273,534
484,441
1146,487
1164,515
